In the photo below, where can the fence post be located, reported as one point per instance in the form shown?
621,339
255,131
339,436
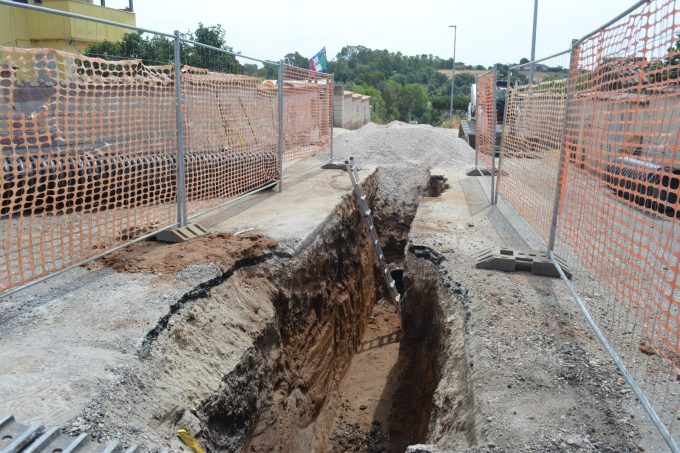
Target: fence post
476,131
493,138
505,116
281,125
181,175
332,115
563,151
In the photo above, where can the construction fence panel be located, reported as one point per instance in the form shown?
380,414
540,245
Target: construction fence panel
308,127
532,141
230,117
88,152
619,215
94,137
486,120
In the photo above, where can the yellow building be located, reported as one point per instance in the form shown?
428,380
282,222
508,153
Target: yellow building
22,27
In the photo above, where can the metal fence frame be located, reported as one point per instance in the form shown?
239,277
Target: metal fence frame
481,133
511,69
182,216
550,246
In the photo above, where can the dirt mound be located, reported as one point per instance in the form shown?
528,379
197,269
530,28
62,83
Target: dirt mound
168,259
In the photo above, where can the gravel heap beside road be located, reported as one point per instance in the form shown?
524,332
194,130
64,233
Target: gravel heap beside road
404,154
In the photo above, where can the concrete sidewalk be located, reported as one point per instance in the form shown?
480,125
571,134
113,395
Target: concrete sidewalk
520,368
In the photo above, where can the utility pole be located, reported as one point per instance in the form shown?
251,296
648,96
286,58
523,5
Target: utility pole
453,69
532,68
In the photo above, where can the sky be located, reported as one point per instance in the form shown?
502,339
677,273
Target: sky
489,31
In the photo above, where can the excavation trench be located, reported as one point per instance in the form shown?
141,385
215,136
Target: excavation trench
333,371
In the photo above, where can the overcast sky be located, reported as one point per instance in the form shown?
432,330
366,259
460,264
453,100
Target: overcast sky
489,31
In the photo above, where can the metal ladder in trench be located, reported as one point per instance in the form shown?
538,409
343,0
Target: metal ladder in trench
368,221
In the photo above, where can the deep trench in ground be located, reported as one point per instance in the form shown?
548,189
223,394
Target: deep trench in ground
334,371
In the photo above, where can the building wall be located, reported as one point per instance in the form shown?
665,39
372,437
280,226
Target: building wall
350,110
24,28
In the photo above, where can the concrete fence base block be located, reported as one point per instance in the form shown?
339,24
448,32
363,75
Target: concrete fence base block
478,172
334,166
181,234
508,260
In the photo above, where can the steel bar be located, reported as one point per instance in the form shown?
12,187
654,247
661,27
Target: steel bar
282,136
614,20
181,173
505,115
332,117
229,52
493,140
453,68
617,361
563,152
476,131
519,66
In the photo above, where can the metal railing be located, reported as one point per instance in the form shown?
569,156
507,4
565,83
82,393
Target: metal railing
590,160
105,147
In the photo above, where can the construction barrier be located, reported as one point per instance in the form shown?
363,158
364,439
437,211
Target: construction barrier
486,120
89,153
99,152
308,102
531,144
592,162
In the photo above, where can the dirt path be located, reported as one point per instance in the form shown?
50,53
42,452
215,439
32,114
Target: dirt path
361,423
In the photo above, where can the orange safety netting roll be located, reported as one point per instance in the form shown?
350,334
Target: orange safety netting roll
486,120
88,150
530,154
619,216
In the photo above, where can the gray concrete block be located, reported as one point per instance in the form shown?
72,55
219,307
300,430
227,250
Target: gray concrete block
508,260
181,234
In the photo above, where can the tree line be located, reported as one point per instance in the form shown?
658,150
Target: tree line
402,87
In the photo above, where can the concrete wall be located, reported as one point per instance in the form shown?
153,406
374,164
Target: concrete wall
350,110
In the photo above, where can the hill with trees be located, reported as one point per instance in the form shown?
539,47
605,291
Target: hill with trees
402,87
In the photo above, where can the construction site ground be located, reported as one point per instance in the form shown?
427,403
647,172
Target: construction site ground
273,333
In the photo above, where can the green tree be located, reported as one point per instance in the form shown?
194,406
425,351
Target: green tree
420,100
202,57
377,102
295,59
160,50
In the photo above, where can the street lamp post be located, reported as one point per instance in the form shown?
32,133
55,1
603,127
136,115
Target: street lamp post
453,69
532,68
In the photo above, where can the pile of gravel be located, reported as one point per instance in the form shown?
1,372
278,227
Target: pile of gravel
404,153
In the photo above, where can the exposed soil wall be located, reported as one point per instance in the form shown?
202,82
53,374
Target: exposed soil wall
321,307
432,346
253,360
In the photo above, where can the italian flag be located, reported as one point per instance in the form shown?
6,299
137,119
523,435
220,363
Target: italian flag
318,62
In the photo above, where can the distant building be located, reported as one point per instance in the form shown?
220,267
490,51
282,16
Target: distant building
25,28
350,110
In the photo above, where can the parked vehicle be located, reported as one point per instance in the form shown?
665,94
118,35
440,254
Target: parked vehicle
468,127
647,184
